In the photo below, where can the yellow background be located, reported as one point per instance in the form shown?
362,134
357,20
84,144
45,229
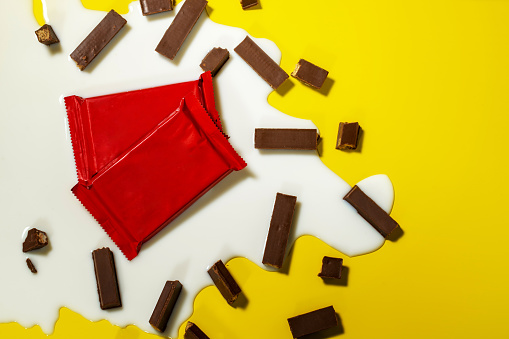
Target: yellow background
428,82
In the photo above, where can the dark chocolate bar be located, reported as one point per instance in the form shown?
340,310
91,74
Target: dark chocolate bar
279,231
310,74
286,138
194,332
106,277
100,36
214,60
180,28
35,239
31,266
261,63
149,7
248,3
224,282
46,35
165,305
348,134
331,268
370,211
313,322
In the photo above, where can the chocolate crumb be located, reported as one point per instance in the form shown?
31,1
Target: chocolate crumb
35,239
31,266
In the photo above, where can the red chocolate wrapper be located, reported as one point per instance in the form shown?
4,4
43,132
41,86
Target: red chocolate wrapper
158,176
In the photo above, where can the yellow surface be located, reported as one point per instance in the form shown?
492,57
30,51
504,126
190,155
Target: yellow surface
427,80
38,12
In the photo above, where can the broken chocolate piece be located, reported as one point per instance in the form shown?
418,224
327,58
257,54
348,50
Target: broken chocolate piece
348,134
194,332
248,3
180,28
35,239
331,268
100,36
106,277
149,7
165,304
313,322
286,138
261,63
31,266
279,231
46,35
214,60
310,74
370,211
224,282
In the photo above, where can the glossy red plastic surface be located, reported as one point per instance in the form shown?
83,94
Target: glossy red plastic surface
152,181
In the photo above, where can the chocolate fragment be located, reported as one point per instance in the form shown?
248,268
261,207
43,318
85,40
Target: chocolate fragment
214,60
35,239
194,332
313,322
279,230
310,74
348,134
248,3
331,268
106,277
180,28
224,282
286,138
31,266
165,304
149,7
100,36
46,35
261,63
370,211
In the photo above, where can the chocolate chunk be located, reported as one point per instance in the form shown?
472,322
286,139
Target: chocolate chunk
279,230
310,74
31,266
286,138
180,28
224,282
194,332
261,63
106,277
313,322
46,35
370,211
165,304
348,134
35,239
214,60
100,36
248,3
149,7
331,267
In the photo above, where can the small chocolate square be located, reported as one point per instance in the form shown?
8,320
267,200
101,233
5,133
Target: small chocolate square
348,134
149,7
35,239
310,74
248,3
214,60
331,268
194,332
46,35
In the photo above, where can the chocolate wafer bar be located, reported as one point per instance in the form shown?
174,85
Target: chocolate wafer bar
331,267
194,332
100,36
348,134
310,74
46,35
286,138
224,282
248,3
214,60
165,305
313,322
149,7
106,277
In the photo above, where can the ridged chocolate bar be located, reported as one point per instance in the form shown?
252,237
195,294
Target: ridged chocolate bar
149,7
100,36
310,74
106,277
224,282
180,28
261,63
313,322
165,305
214,60
286,138
279,230
370,211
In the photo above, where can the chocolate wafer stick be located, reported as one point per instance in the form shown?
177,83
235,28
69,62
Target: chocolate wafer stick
106,277
313,322
286,138
224,282
165,305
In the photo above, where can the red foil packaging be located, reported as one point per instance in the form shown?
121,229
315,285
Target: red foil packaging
143,157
